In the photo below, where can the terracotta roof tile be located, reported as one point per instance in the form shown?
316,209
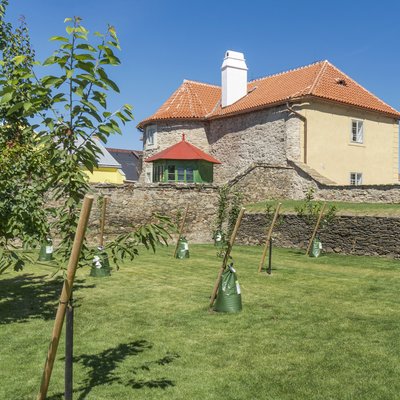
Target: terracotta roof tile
192,100
195,100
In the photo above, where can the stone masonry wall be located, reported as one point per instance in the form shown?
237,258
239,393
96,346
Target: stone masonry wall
348,235
241,140
130,205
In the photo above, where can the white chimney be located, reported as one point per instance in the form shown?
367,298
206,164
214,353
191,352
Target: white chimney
234,77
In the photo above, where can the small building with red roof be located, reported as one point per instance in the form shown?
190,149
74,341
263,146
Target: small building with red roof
182,163
314,117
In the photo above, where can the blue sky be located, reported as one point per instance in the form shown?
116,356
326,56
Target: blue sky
164,42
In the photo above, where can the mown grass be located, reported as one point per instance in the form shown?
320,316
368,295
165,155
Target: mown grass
343,208
323,328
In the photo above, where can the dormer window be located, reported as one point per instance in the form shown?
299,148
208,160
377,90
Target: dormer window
151,132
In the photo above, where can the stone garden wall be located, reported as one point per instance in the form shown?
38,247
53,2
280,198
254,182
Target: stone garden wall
348,235
130,205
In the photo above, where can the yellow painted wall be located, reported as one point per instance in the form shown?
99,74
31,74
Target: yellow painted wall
331,152
106,175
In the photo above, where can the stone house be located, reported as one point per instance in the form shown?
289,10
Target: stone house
314,117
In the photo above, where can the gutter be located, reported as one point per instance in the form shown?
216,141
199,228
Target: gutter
304,119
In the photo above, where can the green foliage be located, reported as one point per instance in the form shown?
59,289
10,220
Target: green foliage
310,209
23,166
236,203
222,212
230,202
76,117
50,157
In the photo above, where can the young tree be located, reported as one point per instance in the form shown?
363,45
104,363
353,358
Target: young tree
71,110
22,164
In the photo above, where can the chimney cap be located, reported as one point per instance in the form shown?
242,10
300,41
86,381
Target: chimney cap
234,54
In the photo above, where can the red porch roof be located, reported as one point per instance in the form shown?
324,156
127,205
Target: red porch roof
183,151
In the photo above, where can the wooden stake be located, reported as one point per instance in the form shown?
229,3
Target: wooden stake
269,234
315,229
102,220
65,295
181,229
226,257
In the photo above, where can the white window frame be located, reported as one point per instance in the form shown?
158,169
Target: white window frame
151,136
356,178
357,131
149,173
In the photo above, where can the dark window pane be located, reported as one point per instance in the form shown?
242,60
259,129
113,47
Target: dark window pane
189,174
171,172
181,174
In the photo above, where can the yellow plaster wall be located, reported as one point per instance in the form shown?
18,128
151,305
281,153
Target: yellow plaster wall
106,175
331,152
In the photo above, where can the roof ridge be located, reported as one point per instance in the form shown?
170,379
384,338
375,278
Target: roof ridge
201,83
289,70
318,77
362,87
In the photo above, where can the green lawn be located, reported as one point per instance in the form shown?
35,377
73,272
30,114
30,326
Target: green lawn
325,328
343,208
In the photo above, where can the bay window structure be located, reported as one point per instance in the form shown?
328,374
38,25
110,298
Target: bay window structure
182,163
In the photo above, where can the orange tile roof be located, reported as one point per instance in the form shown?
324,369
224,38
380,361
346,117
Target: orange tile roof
195,100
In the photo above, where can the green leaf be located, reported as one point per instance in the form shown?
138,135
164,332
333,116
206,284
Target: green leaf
6,98
84,57
50,60
106,129
59,38
19,59
85,46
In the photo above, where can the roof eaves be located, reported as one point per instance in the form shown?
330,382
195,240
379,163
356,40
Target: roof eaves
395,113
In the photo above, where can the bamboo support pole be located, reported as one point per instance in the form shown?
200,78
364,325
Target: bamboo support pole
226,257
181,229
316,229
103,220
269,235
65,295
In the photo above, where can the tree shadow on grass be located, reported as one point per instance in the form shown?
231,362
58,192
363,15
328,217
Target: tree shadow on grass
30,296
102,368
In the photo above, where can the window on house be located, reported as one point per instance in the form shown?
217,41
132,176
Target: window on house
151,135
357,131
158,173
181,174
355,178
189,174
171,173
149,173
